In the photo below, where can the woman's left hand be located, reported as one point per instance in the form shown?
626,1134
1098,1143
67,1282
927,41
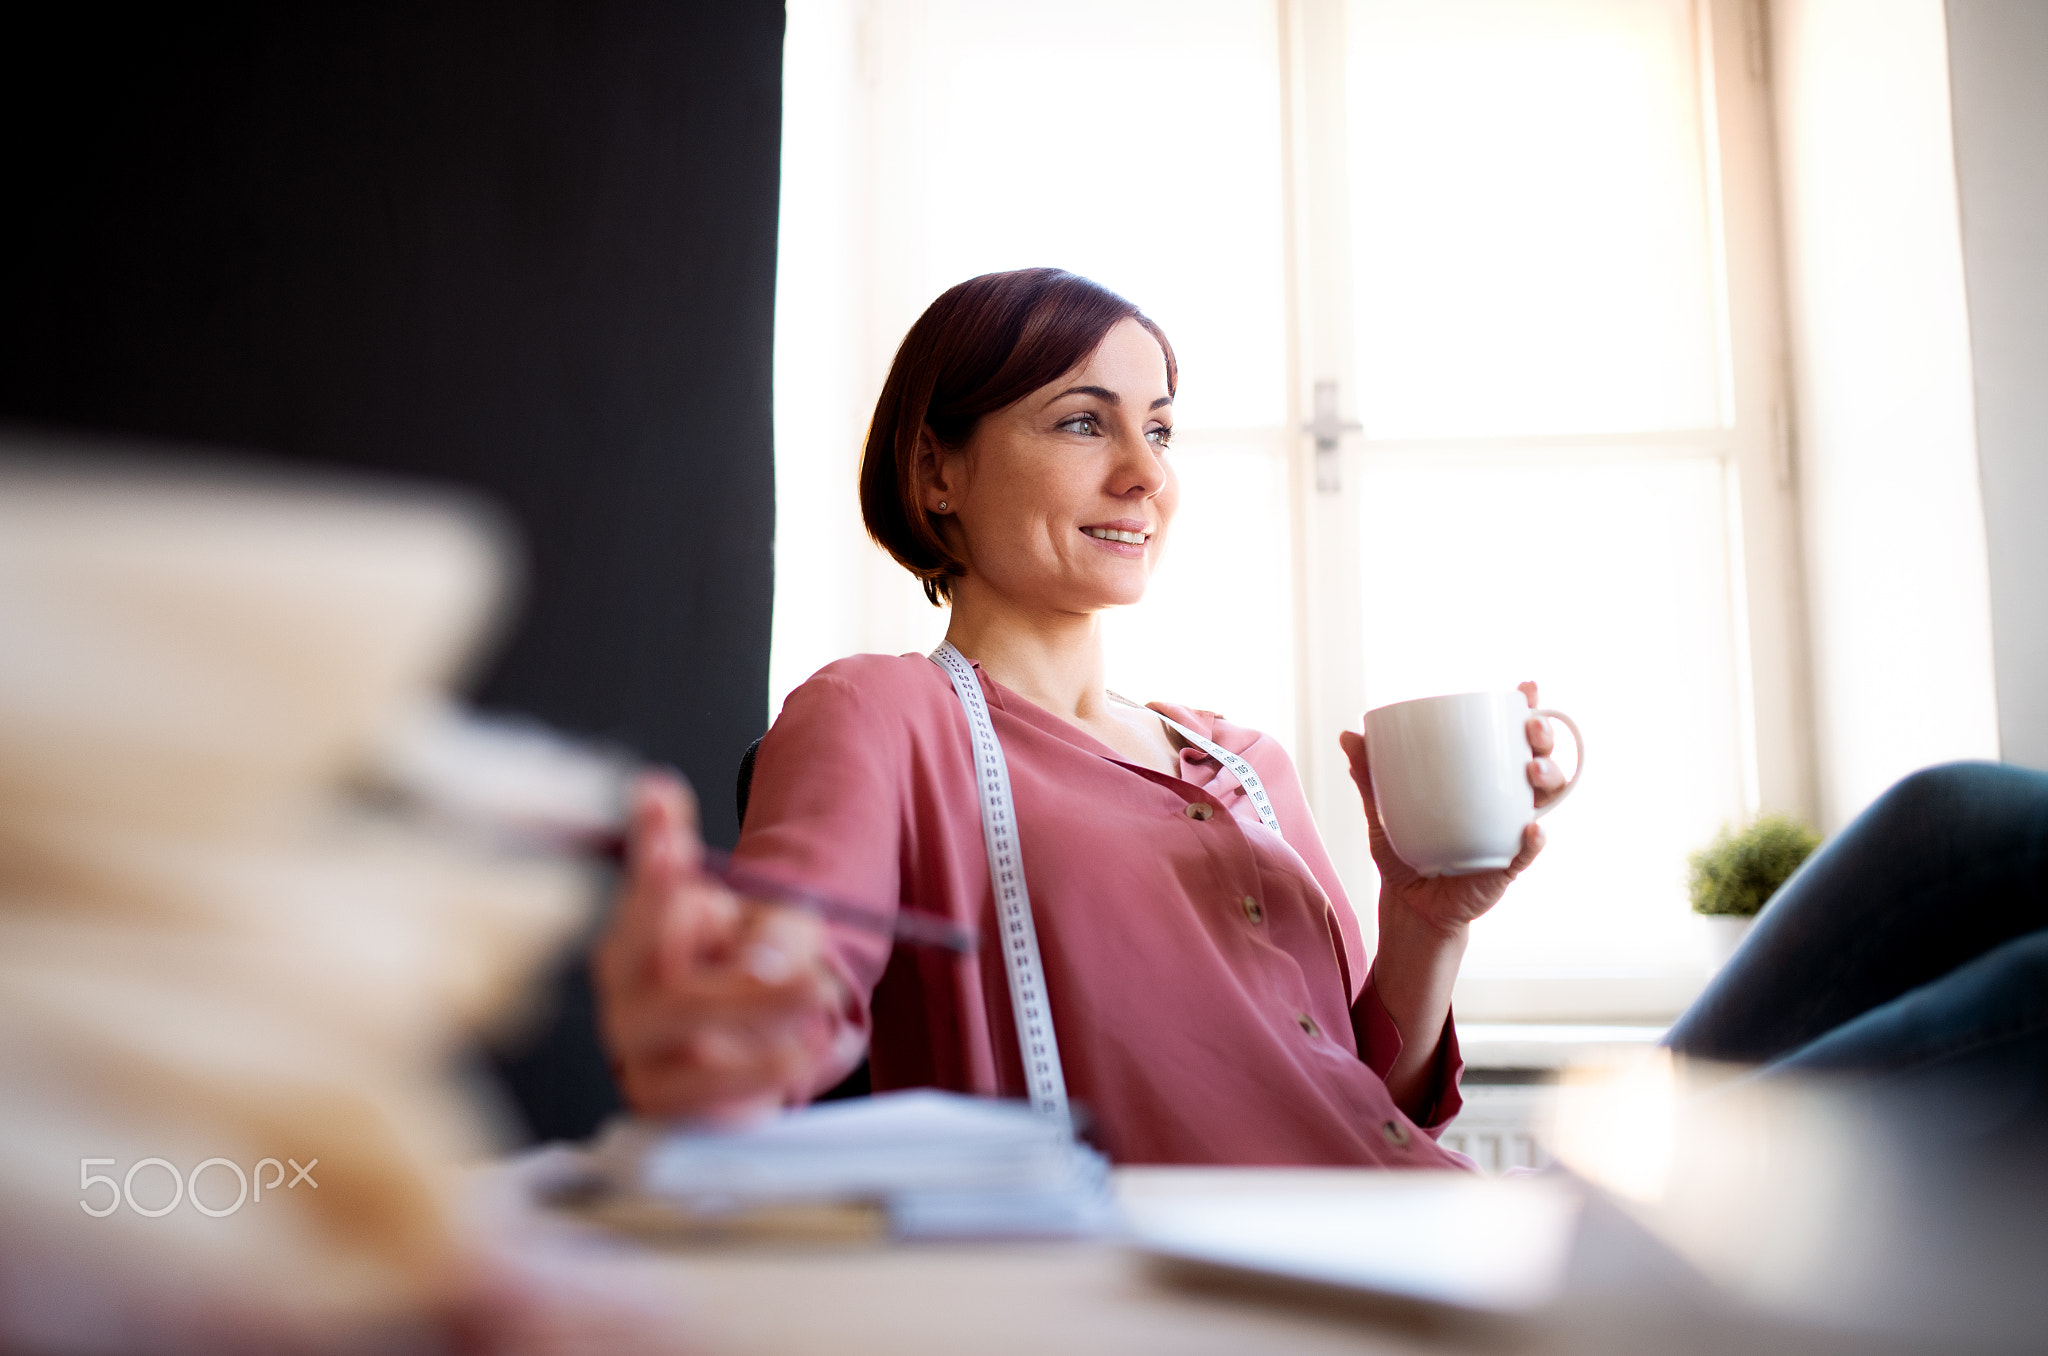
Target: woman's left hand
1450,902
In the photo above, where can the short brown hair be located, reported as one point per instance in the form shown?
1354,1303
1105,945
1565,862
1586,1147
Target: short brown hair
982,346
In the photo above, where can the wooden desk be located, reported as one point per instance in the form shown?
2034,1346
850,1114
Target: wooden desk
1074,1299
1062,1298
1955,1267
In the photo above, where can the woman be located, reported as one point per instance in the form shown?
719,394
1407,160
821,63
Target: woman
1207,977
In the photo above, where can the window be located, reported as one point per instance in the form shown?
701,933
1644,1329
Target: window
1540,276
1512,258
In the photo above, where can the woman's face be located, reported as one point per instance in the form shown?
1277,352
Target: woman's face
1061,502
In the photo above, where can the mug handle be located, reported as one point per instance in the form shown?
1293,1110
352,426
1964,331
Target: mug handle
1578,743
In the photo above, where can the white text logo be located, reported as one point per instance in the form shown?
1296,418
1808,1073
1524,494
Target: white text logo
249,1186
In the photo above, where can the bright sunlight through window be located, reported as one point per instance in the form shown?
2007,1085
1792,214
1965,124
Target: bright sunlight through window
1496,231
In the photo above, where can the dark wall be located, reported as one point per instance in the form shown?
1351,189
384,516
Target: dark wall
526,247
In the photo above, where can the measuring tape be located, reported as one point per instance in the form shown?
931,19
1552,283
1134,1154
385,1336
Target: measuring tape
1239,768
1035,1040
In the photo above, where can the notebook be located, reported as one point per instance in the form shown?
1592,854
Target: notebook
925,1164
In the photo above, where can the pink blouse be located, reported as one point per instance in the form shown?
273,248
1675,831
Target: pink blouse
1207,979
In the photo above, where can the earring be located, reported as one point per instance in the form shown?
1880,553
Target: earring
942,506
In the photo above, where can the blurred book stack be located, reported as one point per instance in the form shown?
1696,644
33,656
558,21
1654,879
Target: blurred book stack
231,986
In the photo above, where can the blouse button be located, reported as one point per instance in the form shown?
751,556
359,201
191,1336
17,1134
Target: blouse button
1307,1025
1396,1133
1198,810
1252,912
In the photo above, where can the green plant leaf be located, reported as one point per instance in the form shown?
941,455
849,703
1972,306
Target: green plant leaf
1740,870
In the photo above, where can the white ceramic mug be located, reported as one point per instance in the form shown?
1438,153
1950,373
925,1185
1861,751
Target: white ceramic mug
1450,776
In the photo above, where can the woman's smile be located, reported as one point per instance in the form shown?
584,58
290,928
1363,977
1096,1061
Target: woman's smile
1124,537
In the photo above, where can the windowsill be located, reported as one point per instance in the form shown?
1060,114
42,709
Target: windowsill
1615,999
1548,1046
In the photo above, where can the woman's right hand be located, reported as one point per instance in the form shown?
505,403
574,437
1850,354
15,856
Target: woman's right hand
710,1006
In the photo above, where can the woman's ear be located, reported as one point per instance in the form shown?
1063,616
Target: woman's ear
935,480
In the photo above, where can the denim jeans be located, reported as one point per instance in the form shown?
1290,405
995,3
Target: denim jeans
1914,944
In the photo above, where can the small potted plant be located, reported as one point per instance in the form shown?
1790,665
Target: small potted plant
1733,877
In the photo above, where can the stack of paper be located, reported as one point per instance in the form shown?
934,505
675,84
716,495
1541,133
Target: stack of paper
940,1165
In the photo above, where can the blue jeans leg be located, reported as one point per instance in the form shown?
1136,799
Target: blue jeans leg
1982,1018
1948,865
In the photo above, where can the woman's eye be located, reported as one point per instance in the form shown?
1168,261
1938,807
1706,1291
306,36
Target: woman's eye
1160,437
1083,424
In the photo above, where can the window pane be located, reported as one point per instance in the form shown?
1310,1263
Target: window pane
1529,216
1136,143
1608,582
1216,629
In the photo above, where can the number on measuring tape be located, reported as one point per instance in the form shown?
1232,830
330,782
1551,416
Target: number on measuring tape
1247,777
1040,1049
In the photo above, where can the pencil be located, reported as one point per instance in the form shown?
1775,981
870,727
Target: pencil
904,925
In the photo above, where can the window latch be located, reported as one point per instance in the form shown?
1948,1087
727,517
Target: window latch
1329,430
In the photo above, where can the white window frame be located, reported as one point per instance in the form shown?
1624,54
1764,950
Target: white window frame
1753,442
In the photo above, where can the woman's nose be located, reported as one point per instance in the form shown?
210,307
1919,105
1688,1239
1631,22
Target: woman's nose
1139,469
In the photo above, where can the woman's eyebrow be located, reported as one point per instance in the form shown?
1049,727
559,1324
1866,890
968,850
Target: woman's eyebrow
1105,394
